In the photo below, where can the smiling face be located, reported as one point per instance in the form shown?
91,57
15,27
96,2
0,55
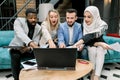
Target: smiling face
53,17
88,18
71,18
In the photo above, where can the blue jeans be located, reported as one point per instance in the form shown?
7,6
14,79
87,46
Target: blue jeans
83,54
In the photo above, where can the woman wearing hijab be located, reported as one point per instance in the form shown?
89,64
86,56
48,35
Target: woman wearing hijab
93,29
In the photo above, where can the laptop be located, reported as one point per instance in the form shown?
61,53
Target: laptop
55,58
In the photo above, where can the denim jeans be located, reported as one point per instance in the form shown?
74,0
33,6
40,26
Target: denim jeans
83,54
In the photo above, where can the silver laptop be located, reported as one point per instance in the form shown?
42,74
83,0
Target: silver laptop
55,58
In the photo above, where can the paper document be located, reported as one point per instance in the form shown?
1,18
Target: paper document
44,46
115,46
69,47
72,47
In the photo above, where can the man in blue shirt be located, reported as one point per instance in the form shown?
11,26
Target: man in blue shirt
70,32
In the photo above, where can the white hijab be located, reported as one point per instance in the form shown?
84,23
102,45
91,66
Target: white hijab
98,25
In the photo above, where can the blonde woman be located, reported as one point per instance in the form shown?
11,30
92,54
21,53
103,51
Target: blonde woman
93,30
51,24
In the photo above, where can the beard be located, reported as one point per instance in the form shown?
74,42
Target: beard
71,24
31,23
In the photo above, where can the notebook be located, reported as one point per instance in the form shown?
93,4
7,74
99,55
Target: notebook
55,58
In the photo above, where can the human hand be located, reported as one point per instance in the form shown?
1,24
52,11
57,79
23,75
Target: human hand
52,45
81,47
62,45
105,45
33,45
24,49
74,46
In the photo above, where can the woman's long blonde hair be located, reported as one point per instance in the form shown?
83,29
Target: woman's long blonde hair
48,20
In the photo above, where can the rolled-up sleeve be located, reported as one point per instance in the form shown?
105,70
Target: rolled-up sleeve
46,34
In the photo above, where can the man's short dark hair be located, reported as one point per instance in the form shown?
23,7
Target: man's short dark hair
30,10
71,11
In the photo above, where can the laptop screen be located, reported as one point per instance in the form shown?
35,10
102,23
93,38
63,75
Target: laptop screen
59,58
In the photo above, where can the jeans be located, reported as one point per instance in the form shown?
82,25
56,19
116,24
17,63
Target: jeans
16,57
83,54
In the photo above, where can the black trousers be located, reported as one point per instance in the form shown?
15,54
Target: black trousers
16,57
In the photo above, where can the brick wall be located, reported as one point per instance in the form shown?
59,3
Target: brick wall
21,3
